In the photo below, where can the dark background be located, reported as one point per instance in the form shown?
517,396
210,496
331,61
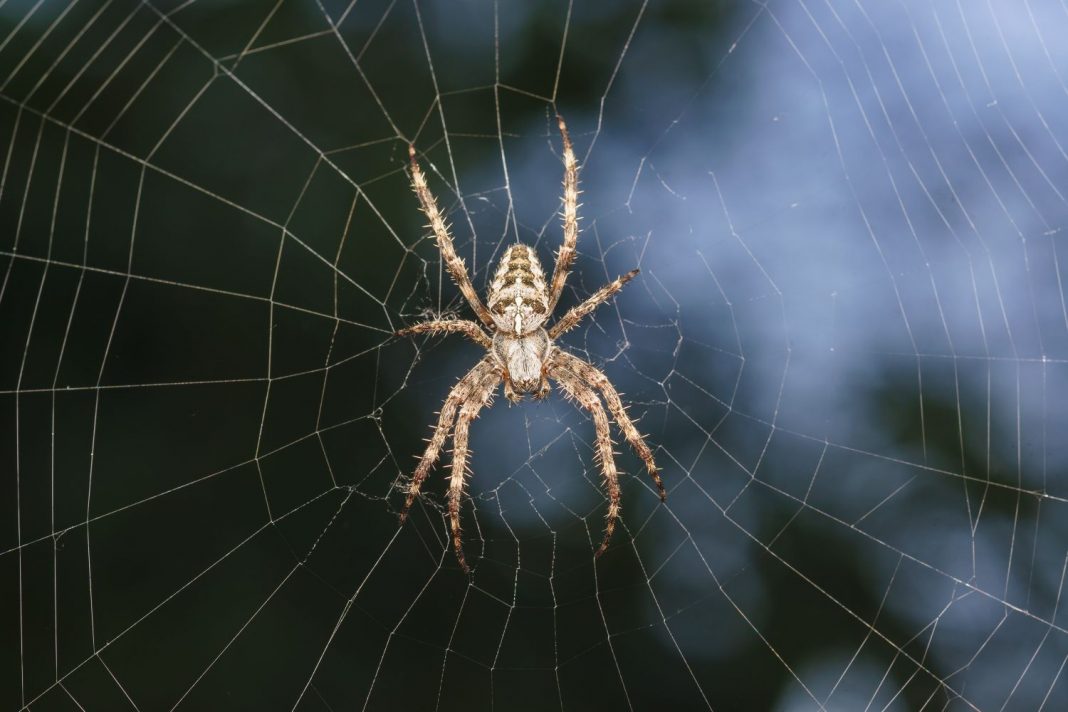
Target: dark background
848,347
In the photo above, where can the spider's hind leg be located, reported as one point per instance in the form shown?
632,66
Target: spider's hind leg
565,256
453,263
577,313
450,326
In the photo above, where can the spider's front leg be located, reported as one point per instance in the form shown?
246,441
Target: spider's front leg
578,391
593,376
459,395
476,401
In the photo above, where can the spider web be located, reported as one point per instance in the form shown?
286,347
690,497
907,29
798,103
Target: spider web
848,347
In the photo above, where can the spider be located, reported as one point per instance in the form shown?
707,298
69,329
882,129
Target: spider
521,351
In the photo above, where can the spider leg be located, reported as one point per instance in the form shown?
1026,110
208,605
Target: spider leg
578,391
577,313
453,263
476,400
450,326
592,375
565,257
460,393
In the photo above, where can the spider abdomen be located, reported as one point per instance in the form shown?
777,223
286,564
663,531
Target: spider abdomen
518,296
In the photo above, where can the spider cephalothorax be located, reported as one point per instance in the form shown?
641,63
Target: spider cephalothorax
522,352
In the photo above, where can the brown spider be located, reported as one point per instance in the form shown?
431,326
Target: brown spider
521,351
